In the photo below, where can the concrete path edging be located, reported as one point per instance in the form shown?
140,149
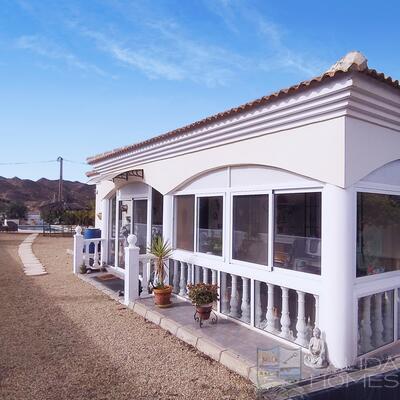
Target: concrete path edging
31,265
224,355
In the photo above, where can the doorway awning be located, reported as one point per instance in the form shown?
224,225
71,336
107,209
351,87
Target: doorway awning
138,173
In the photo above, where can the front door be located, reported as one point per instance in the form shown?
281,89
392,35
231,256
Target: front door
124,229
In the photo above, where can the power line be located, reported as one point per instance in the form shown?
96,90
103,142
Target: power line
27,162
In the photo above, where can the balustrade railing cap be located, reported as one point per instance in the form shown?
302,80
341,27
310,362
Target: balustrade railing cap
132,239
78,230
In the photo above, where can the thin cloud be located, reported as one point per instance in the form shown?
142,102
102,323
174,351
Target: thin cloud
46,48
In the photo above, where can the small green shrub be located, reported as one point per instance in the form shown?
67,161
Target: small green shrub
83,269
202,293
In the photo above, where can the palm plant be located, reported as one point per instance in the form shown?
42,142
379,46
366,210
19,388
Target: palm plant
161,250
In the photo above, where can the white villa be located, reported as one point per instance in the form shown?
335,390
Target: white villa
290,203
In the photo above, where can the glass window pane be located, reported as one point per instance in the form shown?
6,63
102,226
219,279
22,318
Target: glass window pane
140,224
156,213
297,240
250,229
378,232
375,321
209,226
184,217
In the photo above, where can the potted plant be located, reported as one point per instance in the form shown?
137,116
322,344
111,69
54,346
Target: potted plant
203,296
161,250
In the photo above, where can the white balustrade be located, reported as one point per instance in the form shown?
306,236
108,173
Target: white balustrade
197,273
388,317
234,303
270,316
224,293
257,305
182,291
366,331
214,277
189,273
285,318
92,258
175,282
377,333
205,275
245,306
301,325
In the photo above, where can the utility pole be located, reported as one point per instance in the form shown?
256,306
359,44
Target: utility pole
60,182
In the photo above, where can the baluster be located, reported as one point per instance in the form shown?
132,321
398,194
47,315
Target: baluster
197,274
205,275
245,300
175,282
182,290
96,255
377,336
316,323
234,303
214,279
224,294
257,304
285,318
366,330
189,273
388,317
270,316
145,278
301,326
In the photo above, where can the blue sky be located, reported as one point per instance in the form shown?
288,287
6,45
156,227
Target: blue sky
82,77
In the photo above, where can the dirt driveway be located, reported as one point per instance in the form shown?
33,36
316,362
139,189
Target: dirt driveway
62,339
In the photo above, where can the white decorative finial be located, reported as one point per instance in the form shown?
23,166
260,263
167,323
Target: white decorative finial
132,239
78,230
351,58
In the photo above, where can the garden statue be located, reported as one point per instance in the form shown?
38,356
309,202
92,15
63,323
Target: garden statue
317,356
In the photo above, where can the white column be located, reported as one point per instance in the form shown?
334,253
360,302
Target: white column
234,303
214,275
285,318
338,249
96,258
377,333
189,273
245,306
175,282
257,305
388,317
145,277
131,279
301,325
168,218
223,290
78,250
366,330
182,286
270,327
205,275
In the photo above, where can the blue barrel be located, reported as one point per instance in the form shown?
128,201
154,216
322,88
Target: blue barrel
92,233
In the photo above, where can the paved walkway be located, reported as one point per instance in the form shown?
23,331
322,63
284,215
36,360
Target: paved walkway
32,266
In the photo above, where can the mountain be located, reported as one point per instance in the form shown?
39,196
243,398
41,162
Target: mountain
35,194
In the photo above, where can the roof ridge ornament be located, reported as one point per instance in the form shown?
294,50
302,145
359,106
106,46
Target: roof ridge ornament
349,61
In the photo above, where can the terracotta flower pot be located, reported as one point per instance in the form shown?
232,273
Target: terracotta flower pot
162,297
204,311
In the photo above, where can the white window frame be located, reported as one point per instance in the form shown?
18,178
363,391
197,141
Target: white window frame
230,258
196,252
294,191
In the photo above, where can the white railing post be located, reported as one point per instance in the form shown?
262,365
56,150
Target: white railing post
103,252
131,281
78,250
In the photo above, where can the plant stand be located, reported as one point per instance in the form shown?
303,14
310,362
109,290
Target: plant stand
198,317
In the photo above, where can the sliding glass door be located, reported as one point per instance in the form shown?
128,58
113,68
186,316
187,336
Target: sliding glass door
124,228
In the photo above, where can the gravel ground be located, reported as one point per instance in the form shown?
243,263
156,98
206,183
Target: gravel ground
62,339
